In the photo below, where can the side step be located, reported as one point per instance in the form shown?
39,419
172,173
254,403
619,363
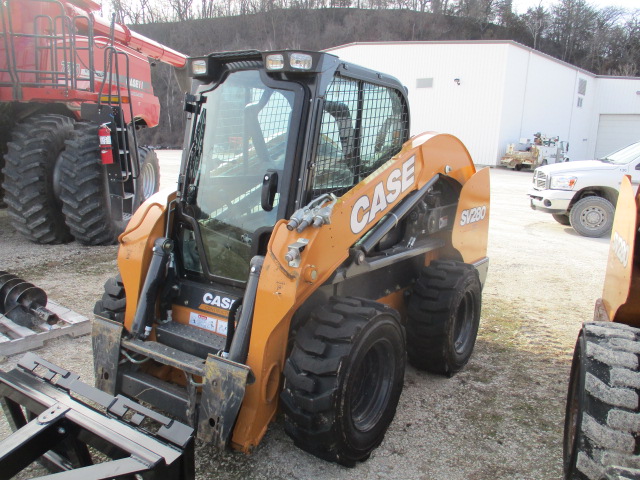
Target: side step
59,428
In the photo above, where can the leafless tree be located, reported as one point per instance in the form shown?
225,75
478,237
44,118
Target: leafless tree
536,19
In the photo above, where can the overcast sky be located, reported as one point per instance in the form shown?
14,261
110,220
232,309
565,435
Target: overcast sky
521,5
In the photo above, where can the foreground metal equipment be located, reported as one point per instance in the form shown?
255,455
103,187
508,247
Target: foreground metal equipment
23,302
28,319
601,428
55,420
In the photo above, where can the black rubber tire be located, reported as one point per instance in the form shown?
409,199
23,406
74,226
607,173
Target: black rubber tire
517,167
343,379
443,317
602,415
6,127
148,181
85,192
113,302
29,178
592,216
561,218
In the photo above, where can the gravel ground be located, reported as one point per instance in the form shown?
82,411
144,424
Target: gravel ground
500,418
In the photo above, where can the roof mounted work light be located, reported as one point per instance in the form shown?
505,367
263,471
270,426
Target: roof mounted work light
289,61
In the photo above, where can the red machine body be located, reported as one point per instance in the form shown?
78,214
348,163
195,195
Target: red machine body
70,80
52,51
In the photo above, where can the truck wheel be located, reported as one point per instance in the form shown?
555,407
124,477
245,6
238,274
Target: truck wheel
148,181
561,218
113,302
601,418
30,178
443,317
518,167
85,190
592,216
343,379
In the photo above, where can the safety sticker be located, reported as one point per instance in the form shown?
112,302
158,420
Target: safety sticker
208,323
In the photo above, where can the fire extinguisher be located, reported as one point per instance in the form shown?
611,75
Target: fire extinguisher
106,149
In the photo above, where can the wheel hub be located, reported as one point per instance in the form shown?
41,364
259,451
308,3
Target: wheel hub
371,391
593,217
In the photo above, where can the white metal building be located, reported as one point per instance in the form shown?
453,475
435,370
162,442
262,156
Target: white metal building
492,93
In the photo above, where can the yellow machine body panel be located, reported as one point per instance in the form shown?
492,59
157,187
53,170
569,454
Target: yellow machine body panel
621,292
136,244
282,289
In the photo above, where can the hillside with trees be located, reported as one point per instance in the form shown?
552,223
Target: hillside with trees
602,40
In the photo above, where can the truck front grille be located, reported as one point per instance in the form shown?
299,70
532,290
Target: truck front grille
539,180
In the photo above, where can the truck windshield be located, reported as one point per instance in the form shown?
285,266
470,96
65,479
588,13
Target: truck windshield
624,156
241,135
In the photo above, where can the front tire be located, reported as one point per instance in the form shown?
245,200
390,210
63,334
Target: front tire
114,302
592,216
343,379
85,196
30,179
561,218
601,417
443,317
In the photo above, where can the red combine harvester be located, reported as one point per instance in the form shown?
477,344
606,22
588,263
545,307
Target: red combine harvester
74,88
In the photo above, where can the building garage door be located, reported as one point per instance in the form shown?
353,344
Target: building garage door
616,131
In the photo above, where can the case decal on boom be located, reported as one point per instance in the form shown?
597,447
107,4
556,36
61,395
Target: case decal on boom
387,191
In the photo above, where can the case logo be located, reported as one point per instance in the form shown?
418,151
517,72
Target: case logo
217,301
384,193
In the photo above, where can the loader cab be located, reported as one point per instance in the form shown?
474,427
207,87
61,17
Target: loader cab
268,133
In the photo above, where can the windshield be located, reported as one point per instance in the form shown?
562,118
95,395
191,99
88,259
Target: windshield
624,156
241,136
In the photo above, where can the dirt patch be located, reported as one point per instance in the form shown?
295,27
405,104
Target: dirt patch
500,418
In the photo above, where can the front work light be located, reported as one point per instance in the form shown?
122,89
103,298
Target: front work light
199,67
294,61
301,61
274,61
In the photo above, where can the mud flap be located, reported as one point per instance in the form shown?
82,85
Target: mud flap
223,387
105,339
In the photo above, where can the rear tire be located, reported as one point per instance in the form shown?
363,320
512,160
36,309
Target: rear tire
85,191
30,178
114,302
148,181
592,216
601,418
561,218
443,317
343,379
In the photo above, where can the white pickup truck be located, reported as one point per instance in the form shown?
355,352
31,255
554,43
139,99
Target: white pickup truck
583,194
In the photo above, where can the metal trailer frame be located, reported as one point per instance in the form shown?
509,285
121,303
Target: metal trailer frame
42,404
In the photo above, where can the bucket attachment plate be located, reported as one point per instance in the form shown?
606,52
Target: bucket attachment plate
105,338
223,388
58,429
